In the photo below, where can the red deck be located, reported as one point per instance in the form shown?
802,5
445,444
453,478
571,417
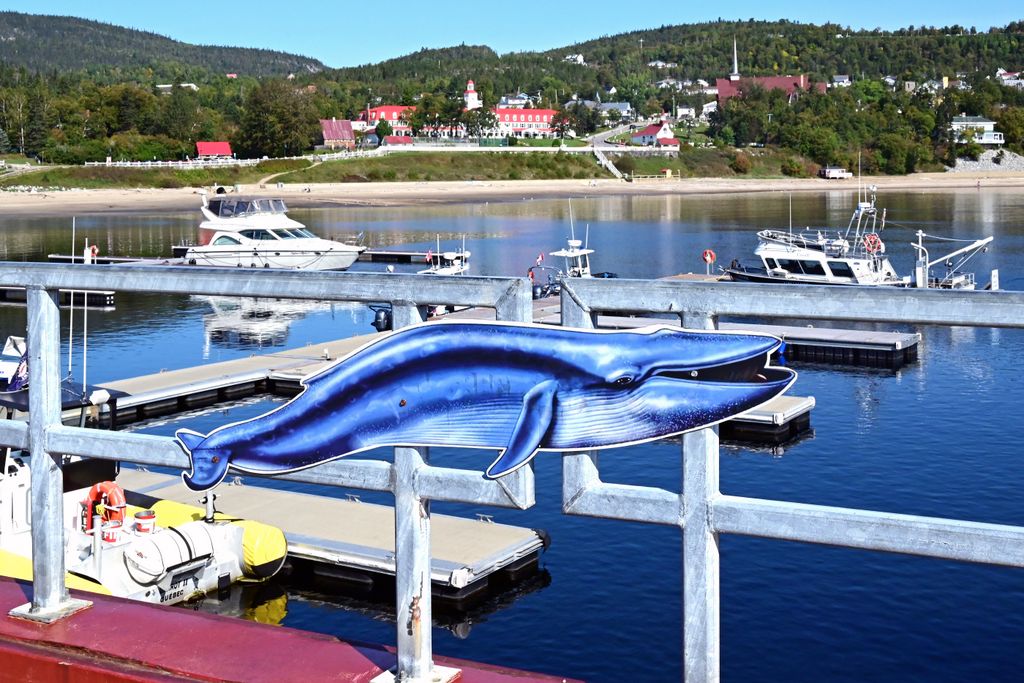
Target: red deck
121,640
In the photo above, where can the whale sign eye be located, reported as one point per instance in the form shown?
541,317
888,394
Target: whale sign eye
625,379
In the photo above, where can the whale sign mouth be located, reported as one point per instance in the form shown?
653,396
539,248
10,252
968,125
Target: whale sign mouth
513,387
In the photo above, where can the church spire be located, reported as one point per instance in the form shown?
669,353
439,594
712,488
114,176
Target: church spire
735,75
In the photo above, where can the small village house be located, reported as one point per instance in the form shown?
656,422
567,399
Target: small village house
213,150
652,133
983,129
337,134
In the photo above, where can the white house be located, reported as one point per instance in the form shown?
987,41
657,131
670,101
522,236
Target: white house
471,97
652,133
708,109
686,113
575,59
984,129
841,81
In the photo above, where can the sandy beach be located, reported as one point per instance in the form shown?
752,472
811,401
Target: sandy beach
84,202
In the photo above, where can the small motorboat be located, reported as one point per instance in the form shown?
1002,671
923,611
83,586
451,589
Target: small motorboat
576,255
131,545
447,262
240,232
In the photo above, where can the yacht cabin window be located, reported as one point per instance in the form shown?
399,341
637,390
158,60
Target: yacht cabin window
790,265
840,268
258,234
813,267
225,240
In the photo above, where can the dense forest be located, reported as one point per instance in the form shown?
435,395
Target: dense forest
100,100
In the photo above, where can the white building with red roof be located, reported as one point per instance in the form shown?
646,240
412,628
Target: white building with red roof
525,123
653,133
471,97
394,114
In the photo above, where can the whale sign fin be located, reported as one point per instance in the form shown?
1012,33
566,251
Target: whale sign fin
533,423
189,439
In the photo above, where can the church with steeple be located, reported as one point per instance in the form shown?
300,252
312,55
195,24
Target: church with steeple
735,84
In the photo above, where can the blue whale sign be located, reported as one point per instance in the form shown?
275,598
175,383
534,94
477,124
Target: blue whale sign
518,387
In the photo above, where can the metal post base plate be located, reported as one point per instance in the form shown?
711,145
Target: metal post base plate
65,609
438,674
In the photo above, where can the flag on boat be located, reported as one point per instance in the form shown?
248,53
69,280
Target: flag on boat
540,258
430,255
19,380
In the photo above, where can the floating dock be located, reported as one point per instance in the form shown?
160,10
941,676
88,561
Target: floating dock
94,299
353,542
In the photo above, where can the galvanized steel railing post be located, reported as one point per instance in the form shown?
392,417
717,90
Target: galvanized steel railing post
50,600
701,563
412,568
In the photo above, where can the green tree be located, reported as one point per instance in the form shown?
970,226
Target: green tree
383,129
276,121
5,142
36,128
180,115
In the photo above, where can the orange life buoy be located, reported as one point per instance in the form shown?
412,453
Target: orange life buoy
872,242
708,256
94,251
108,494
530,274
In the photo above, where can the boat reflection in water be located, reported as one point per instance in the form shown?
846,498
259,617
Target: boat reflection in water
258,323
270,603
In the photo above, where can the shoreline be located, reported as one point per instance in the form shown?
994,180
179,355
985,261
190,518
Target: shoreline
401,194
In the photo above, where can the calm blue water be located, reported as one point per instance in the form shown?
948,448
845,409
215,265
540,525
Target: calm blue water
932,439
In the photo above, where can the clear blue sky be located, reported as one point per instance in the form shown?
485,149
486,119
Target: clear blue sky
346,33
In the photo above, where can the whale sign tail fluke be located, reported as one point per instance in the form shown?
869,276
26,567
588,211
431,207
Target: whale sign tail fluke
208,469
514,387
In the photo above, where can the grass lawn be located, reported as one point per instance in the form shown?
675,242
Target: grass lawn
98,177
451,166
699,162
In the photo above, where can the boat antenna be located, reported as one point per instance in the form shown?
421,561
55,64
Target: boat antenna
586,243
85,327
859,179
71,303
790,213
572,227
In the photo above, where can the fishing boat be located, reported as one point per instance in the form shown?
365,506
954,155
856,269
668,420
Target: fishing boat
447,262
576,259
856,256
243,232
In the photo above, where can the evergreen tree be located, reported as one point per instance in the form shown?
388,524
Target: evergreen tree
5,142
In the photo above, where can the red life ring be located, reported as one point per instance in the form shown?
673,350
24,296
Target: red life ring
708,256
108,494
530,274
872,242
94,251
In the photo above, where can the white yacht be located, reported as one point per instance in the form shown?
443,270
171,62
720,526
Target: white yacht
854,257
256,233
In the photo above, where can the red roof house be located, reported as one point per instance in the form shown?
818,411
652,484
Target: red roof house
397,140
213,150
653,133
337,133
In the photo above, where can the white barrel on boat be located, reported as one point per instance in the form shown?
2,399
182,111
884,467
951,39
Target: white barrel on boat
149,559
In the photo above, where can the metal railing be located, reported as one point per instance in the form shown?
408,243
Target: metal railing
699,510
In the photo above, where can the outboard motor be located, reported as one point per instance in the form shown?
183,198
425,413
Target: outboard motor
538,291
381,318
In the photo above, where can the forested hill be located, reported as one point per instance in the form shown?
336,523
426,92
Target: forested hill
780,47
50,43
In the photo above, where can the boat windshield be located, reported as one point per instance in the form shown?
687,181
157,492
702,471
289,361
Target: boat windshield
302,232
282,233
229,208
259,235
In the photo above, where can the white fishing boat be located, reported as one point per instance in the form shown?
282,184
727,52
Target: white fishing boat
576,260
447,262
856,256
243,232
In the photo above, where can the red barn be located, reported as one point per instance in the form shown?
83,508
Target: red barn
338,133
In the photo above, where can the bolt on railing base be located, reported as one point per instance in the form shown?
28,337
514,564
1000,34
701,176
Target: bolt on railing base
48,616
438,674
